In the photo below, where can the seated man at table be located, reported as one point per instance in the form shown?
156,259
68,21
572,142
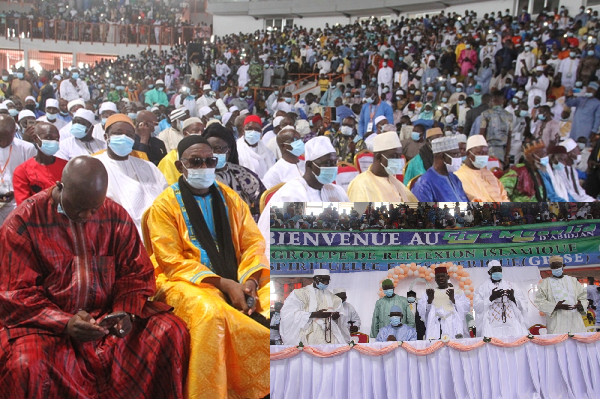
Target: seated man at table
70,257
381,312
211,267
308,313
395,330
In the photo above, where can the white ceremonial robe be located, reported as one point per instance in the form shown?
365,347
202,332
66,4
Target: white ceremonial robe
490,321
441,313
350,314
98,132
65,131
296,325
283,171
571,181
298,190
58,123
171,138
134,184
550,292
11,157
537,88
73,147
257,159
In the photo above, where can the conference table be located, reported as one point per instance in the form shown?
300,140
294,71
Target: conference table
545,366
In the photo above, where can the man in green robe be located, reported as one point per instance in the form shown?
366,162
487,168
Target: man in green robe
381,313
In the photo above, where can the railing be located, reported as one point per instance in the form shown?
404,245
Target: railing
109,33
196,6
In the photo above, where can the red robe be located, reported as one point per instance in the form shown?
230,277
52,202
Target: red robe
32,177
51,268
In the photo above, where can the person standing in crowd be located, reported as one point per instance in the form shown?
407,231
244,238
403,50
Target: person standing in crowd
383,307
349,320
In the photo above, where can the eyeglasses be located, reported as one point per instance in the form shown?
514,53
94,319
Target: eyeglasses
220,149
198,162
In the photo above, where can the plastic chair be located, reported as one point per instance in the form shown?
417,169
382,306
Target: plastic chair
363,160
346,172
267,194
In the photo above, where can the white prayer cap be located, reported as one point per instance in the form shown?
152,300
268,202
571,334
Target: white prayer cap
277,121
25,114
318,147
461,138
476,141
213,121
519,94
159,82
539,68
51,103
493,263
386,141
75,102
125,100
3,107
244,112
339,290
57,77
85,114
453,80
568,144
526,44
7,102
446,143
108,106
226,118
320,272
233,109
379,119
190,121
29,98
302,127
205,111
206,87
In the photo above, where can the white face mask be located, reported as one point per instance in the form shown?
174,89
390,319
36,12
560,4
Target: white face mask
455,165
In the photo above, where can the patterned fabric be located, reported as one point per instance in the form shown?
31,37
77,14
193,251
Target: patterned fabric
58,267
498,124
342,144
245,183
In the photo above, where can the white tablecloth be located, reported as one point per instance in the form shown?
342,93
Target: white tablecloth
570,369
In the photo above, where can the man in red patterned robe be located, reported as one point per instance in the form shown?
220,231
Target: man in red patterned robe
68,257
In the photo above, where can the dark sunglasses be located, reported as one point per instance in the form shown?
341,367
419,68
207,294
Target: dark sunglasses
198,162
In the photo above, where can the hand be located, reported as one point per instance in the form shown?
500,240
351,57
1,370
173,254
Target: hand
235,292
579,306
83,328
430,293
562,306
335,315
450,293
7,197
496,294
391,338
251,289
511,295
122,328
353,329
144,131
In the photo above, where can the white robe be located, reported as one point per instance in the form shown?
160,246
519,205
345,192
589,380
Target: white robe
58,123
98,132
385,76
297,190
73,147
571,180
297,326
171,138
489,313
134,184
550,292
350,314
243,77
283,171
538,88
442,312
257,159
19,151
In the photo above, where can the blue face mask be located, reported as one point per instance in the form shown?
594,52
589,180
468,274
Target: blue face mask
369,100
363,86
411,299
288,100
326,175
497,276
160,89
558,167
427,115
321,286
132,115
51,117
557,272
200,178
395,320
541,117
49,147
297,147
394,166
121,145
388,292
156,130
103,120
78,130
150,86
481,161
544,161
459,89
13,112
75,75
524,113
416,136
221,160
252,137
20,75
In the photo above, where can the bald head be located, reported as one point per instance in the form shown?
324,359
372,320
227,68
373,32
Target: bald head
85,182
45,131
146,116
7,130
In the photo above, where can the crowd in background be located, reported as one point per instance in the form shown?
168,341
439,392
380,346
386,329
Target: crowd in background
433,216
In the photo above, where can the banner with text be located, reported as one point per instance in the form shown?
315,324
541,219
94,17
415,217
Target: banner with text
299,252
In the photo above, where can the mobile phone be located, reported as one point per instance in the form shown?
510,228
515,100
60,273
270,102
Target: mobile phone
112,319
250,301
